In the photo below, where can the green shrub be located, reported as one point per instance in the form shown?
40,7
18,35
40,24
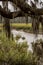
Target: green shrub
12,53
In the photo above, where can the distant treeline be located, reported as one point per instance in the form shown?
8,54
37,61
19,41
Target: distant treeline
17,20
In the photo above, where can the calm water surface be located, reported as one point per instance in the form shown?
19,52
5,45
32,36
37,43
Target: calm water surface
28,37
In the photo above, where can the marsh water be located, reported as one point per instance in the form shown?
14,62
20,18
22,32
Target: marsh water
29,38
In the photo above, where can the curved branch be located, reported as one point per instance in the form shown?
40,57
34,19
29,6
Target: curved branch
25,7
10,15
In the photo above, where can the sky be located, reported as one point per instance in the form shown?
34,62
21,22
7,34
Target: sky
11,8
38,4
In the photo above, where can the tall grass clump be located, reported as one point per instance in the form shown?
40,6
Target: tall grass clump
12,53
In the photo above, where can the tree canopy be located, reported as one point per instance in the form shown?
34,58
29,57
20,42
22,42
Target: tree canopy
24,8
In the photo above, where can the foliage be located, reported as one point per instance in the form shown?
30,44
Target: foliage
38,47
38,51
16,54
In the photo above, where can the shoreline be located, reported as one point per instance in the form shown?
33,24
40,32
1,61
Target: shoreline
28,31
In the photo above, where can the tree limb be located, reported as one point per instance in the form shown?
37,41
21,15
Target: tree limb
10,15
25,7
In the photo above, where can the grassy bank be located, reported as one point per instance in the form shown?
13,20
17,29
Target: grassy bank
18,26
1,26
21,25
12,53
25,27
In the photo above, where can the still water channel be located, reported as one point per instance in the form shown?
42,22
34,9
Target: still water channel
28,37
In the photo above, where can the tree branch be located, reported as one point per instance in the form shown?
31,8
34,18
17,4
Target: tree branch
10,15
26,8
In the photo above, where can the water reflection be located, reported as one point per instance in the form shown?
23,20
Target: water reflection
28,37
